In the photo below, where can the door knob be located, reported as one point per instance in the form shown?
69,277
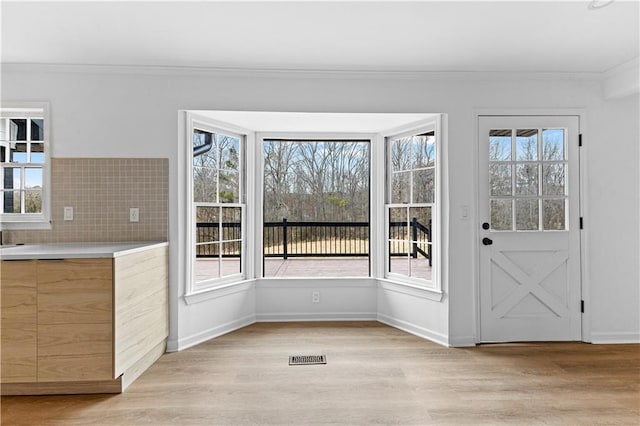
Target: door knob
487,241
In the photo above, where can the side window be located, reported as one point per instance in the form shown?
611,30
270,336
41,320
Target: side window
410,208
218,206
24,164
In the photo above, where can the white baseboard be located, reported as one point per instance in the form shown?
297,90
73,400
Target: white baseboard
462,341
212,332
320,316
615,338
416,330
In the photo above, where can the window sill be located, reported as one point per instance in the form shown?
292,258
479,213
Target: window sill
26,225
218,291
411,289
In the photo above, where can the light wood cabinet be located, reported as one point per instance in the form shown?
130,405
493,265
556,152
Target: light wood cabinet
18,307
75,320
82,325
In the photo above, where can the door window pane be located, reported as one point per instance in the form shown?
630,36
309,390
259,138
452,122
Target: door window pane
553,179
526,179
527,215
554,215
527,145
553,144
500,145
501,215
500,179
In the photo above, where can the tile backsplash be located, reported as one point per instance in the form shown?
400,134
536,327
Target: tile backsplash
101,192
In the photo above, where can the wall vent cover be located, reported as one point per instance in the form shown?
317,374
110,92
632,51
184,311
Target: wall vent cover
307,359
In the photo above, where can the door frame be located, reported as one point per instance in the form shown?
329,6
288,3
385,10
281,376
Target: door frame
582,202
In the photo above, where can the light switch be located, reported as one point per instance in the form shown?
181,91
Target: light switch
464,212
68,213
134,214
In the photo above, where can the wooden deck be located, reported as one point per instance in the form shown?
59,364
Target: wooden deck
329,267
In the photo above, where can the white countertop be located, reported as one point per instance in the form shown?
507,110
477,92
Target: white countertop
75,250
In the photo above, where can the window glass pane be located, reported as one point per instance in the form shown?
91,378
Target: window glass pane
501,215
526,145
11,202
32,178
207,264
400,187
37,153
401,154
229,190
424,151
553,144
398,259
207,224
203,142
500,145
229,152
19,153
18,129
37,129
553,179
322,190
424,186
527,215
527,179
420,223
33,202
554,215
12,178
231,256
231,223
4,136
398,224
205,185
500,178
420,264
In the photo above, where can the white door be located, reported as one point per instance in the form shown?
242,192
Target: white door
529,248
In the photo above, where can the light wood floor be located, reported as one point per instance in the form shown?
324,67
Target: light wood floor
375,375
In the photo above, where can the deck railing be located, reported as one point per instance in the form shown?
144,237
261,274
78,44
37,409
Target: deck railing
317,239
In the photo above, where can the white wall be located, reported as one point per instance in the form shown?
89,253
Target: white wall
86,104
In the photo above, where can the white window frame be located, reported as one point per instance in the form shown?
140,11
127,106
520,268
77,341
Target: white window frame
16,221
435,284
195,121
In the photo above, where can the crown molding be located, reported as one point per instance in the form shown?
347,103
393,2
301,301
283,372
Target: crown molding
623,80
294,73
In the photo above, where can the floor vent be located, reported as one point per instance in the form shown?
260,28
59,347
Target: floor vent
307,359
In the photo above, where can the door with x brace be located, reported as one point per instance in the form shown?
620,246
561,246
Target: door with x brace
529,245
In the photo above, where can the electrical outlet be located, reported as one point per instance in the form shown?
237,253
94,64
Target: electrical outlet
134,214
315,297
68,213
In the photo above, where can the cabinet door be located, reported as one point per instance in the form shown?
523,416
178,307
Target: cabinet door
18,326
75,320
